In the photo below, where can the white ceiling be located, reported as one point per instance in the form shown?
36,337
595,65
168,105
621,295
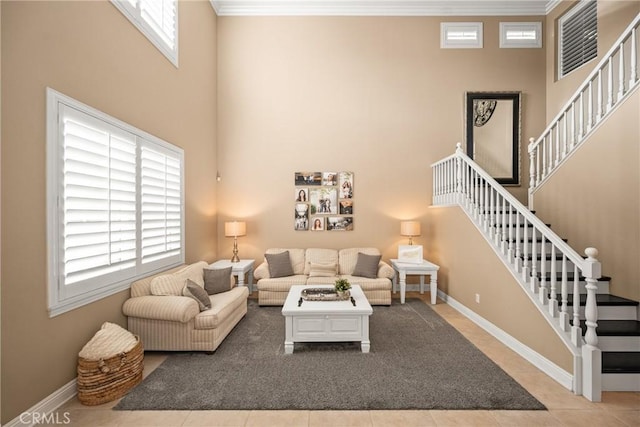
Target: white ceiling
382,7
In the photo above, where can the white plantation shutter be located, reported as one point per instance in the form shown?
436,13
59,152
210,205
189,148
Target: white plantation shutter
578,38
161,206
99,198
115,204
157,20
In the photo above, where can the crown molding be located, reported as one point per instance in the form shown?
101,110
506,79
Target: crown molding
383,7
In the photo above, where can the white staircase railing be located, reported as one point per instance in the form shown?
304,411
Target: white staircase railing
610,82
524,244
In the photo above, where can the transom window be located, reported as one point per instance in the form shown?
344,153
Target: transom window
157,20
115,204
577,37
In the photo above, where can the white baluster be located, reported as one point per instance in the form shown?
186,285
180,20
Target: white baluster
557,144
538,173
543,272
633,73
576,330
581,118
499,224
532,171
573,125
591,354
565,118
550,165
609,84
516,245
492,214
564,314
599,97
621,85
503,246
553,303
590,107
525,245
487,213
510,251
458,173
534,262
481,211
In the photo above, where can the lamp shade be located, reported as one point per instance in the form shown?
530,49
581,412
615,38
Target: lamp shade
235,228
409,228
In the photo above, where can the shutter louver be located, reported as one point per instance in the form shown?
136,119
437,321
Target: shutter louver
161,17
99,204
579,38
161,208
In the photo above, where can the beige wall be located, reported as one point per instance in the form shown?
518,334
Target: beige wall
613,17
372,95
91,52
594,198
469,267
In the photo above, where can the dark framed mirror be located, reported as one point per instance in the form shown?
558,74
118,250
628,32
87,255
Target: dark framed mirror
493,133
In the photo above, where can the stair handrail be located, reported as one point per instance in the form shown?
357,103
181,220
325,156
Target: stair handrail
537,176
449,181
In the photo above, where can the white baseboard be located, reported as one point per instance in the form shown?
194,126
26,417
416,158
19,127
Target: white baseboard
46,406
558,374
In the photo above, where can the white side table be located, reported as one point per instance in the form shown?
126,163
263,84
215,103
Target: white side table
238,269
426,268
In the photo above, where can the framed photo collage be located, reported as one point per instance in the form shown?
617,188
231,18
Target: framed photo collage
323,201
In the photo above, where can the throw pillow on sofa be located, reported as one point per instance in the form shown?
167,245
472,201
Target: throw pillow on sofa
174,283
367,266
193,290
217,281
279,264
322,269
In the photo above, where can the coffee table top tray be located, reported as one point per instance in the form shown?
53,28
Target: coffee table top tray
293,302
322,294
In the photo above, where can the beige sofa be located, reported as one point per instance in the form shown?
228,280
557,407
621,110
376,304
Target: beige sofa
175,322
273,291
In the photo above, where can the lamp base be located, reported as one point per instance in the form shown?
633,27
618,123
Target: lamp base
235,257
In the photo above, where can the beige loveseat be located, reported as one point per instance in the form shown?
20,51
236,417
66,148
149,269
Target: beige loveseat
274,290
175,322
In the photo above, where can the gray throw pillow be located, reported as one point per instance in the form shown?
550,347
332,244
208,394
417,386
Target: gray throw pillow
193,290
217,281
279,264
367,266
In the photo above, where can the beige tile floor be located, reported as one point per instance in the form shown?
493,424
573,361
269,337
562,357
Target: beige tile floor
565,409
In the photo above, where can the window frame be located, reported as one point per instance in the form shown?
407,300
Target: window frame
447,43
61,297
134,15
561,22
506,42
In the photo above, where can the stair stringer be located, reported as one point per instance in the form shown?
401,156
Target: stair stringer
548,367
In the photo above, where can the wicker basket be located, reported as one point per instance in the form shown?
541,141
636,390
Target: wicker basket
106,379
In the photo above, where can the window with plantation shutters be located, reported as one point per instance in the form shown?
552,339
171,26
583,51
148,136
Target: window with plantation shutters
577,37
115,204
157,20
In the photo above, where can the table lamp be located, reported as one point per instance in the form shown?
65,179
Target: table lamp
410,228
235,229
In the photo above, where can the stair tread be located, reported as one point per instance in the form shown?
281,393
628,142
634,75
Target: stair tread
627,362
602,300
615,328
547,277
521,225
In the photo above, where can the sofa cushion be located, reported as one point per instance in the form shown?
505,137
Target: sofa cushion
279,264
349,257
377,284
323,269
281,284
222,305
193,290
166,307
367,266
319,256
173,284
217,280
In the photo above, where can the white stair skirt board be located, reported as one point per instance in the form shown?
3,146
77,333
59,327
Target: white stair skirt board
558,374
46,406
620,382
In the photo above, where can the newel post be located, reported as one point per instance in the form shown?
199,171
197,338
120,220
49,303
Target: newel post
591,354
532,172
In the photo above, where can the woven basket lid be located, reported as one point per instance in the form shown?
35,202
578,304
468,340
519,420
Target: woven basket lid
109,341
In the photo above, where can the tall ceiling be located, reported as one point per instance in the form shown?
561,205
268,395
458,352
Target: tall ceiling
383,7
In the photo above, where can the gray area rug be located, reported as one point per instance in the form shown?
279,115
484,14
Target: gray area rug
417,361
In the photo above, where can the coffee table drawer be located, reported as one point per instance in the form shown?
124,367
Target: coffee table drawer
317,328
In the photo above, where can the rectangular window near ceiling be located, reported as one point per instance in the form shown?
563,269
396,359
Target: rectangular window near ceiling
115,204
157,20
521,34
577,37
461,35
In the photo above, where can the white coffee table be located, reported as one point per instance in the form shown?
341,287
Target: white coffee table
324,321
